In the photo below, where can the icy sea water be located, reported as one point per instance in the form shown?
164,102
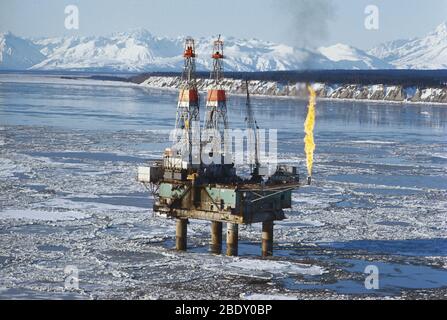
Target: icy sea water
68,197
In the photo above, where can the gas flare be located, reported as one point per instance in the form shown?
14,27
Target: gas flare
309,124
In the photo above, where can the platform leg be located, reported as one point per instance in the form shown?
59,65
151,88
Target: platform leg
216,237
267,238
181,234
232,239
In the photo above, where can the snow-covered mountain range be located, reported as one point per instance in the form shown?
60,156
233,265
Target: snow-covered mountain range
139,50
348,57
429,52
17,53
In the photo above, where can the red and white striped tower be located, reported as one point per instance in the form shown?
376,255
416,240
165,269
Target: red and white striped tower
188,115
216,120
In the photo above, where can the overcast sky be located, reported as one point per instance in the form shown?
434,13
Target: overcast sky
295,22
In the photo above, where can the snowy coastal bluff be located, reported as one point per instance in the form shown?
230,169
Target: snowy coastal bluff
378,92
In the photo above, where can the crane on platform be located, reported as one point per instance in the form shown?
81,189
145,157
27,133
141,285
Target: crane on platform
252,139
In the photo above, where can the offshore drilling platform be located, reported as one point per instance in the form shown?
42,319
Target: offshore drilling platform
197,179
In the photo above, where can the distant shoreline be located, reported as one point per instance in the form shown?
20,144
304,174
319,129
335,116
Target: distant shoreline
376,93
174,90
282,89
404,77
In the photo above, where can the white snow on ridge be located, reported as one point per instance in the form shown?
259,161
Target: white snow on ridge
17,53
346,55
139,50
379,93
429,52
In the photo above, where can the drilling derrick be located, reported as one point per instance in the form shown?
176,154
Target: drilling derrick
216,121
196,179
186,149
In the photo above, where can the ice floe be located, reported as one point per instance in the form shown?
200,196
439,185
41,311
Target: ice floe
42,215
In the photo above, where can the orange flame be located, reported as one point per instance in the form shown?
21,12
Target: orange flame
309,125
